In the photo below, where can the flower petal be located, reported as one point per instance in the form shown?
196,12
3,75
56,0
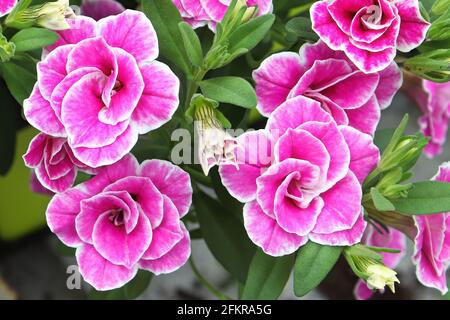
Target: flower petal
61,213
80,28
342,206
167,234
275,78
265,232
171,181
99,272
172,260
413,27
118,246
83,126
40,114
159,100
295,112
253,157
364,154
52,70
342,238
131,31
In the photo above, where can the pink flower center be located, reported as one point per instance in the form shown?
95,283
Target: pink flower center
117,87
298,194
117,217
373,14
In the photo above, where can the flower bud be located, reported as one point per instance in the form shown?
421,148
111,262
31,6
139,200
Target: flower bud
404,154
440,28
433,65
249,12
381,276
215,145
7,49
368,265
50,15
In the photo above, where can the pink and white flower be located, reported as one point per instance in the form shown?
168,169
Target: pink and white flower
6,6
209,12
100,86
352,97
432,243
53,162
99,9
300,179
433,100
125,218
393,239
369,31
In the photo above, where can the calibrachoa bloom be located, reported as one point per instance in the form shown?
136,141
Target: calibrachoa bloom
352,97
99,9
432,243
300,179
6,6
433,100
201,12
125,218
99,86
392,239
369,31
54,163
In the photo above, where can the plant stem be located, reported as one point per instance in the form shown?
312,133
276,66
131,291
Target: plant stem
206,284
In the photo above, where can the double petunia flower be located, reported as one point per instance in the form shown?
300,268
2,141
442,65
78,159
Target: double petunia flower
99,87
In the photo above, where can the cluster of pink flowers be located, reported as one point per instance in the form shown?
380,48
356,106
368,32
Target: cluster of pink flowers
369,31
99,87
96,105
209,12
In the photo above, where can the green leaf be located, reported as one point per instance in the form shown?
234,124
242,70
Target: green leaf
233,90
440,28
248,35
440,7
380,202
301,27
130,291
224,234
8,112
191,44
425,197
165,18
33,38
312,265
267,276
20,80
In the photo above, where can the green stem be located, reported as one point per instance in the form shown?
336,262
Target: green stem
192,86
206,284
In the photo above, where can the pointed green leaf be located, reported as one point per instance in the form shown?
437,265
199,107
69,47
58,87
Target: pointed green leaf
165,18
233,90
313,263
380,202
33,38
267,276
191,44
